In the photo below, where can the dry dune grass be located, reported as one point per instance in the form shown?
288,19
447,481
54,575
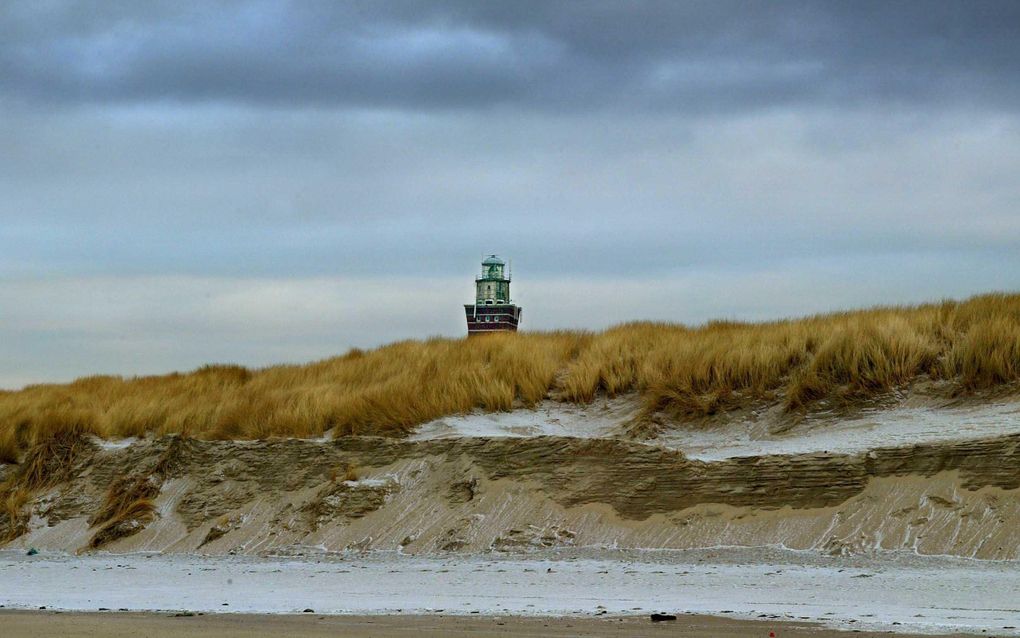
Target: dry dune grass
130,500
13,518
677,370
123,497
130,519
55,447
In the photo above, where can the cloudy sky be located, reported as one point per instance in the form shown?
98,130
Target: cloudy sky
270,181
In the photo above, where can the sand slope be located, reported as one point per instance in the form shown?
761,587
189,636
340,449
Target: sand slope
460,491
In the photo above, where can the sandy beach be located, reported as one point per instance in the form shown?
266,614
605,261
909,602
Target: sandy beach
29,624
900,593
510,318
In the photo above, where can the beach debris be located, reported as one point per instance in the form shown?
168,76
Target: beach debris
662,617
31,551
463,491
219,530
533,537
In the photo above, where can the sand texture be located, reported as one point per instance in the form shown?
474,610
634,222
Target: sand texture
121,625
900,591
868,520
471,493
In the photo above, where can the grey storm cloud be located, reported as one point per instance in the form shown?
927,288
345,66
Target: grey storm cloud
267,181
683,56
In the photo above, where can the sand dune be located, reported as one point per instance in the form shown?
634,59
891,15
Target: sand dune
576,502
478,491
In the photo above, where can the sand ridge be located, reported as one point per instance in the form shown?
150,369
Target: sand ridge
480,494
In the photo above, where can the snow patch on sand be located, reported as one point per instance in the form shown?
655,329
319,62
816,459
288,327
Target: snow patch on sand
599,420
753,435
845,593
116,444
892,427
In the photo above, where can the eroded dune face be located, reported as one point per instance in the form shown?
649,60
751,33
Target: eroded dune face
462,490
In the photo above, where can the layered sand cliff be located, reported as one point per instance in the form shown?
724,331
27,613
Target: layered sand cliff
558,476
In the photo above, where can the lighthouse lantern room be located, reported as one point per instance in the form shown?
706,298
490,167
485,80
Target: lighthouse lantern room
493,310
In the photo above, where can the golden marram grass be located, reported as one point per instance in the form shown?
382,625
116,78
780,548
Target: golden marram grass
678,371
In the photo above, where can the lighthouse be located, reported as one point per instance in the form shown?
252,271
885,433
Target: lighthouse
492,311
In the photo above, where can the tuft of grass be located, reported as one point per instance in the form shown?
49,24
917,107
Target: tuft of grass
129,519
987,354
171,460
679,371
50,460
123,497
346,473
9,446
350,473
57,446
129,504
859,359
13,518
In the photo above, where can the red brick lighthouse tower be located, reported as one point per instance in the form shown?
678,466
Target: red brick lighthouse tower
492,311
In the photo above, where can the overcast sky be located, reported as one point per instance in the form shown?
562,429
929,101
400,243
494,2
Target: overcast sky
262,182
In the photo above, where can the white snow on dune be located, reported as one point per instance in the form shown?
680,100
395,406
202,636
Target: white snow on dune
898,595
547,419
892,427
887,427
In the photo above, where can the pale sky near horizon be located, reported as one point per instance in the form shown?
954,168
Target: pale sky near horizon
260,182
